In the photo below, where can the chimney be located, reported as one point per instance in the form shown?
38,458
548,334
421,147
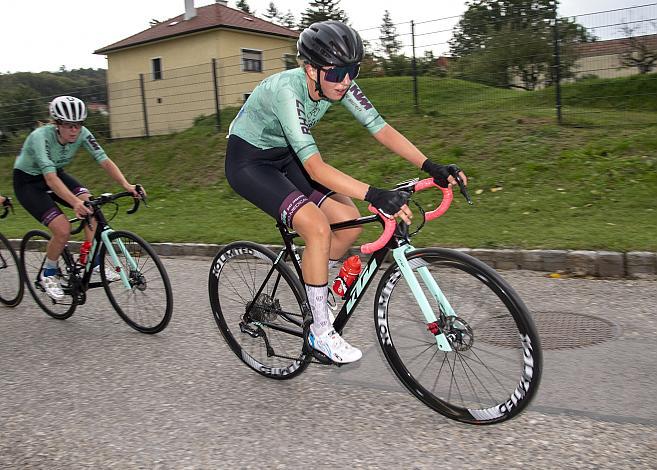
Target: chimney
222,2
190,10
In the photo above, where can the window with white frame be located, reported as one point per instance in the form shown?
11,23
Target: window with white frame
251,60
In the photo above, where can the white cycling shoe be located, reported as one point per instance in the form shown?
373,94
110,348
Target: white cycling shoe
334,347
51,285
110,274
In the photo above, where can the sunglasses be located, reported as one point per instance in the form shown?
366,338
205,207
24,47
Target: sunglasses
71,125
337,74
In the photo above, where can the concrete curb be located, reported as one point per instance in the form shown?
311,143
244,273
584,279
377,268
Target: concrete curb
603,264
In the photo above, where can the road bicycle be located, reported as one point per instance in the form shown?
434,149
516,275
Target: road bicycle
141,296
11,281
456,335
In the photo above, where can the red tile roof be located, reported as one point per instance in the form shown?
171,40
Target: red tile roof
207,18
614,46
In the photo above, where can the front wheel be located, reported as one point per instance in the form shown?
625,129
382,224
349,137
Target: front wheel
146,304
494,367
258,306
33,257
11,281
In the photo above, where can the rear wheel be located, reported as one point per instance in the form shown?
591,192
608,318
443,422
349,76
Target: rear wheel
494,368
257,304
11,281
147,304
33,256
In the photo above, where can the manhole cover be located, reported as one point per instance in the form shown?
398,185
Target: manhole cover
557,330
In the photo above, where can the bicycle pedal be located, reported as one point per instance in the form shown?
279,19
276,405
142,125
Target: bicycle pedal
249,330
321,357
318,355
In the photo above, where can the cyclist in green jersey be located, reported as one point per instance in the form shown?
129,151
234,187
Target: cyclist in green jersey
40,181
272,160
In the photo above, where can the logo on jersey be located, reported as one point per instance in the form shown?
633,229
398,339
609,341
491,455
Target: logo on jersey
92,142
301,112
360,97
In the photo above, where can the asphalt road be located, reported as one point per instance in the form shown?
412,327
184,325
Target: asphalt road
89,392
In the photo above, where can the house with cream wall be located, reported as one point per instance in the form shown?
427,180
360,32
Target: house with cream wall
209,58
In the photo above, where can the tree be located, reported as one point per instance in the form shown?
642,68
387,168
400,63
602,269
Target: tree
510,43
369,66
288,20
322,10
429,65
483,18
244,6
639,52
20,108
390,46
272,13
24,95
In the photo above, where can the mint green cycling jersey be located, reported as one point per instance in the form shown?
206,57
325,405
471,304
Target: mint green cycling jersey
280,112
42,153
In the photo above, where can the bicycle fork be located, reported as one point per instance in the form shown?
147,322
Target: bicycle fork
407,269
125,279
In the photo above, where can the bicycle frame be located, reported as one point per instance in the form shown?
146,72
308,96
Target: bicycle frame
399,245
101,235
397,237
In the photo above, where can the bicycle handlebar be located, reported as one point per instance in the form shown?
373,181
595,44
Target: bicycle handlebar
390,224
107,198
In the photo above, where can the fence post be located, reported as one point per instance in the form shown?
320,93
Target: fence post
143,103
216,93
557,65
415,93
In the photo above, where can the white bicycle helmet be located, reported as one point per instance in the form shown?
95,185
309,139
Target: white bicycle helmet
68,108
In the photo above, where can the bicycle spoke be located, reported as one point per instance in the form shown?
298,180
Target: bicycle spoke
238,273
485,378
33,255
11,282
147,305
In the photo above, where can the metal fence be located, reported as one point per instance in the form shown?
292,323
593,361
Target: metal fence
574,79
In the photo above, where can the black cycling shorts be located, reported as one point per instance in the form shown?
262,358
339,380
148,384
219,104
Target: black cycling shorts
38,199
273,179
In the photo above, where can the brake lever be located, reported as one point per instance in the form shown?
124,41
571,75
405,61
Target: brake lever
137,200
141,193
463,189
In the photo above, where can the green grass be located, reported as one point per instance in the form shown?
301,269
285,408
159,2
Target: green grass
590,184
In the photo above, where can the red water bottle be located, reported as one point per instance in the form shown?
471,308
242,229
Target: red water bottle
84,251
347,275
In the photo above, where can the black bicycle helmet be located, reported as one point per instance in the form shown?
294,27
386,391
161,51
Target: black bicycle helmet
330,43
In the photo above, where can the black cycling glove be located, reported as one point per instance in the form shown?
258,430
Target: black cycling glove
387,202
440,172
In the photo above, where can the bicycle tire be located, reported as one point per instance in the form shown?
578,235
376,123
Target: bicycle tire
236,274
33,254
496,361
11,280
148,305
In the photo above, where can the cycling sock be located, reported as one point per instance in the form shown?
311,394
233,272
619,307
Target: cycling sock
333,263
49,267
317,296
